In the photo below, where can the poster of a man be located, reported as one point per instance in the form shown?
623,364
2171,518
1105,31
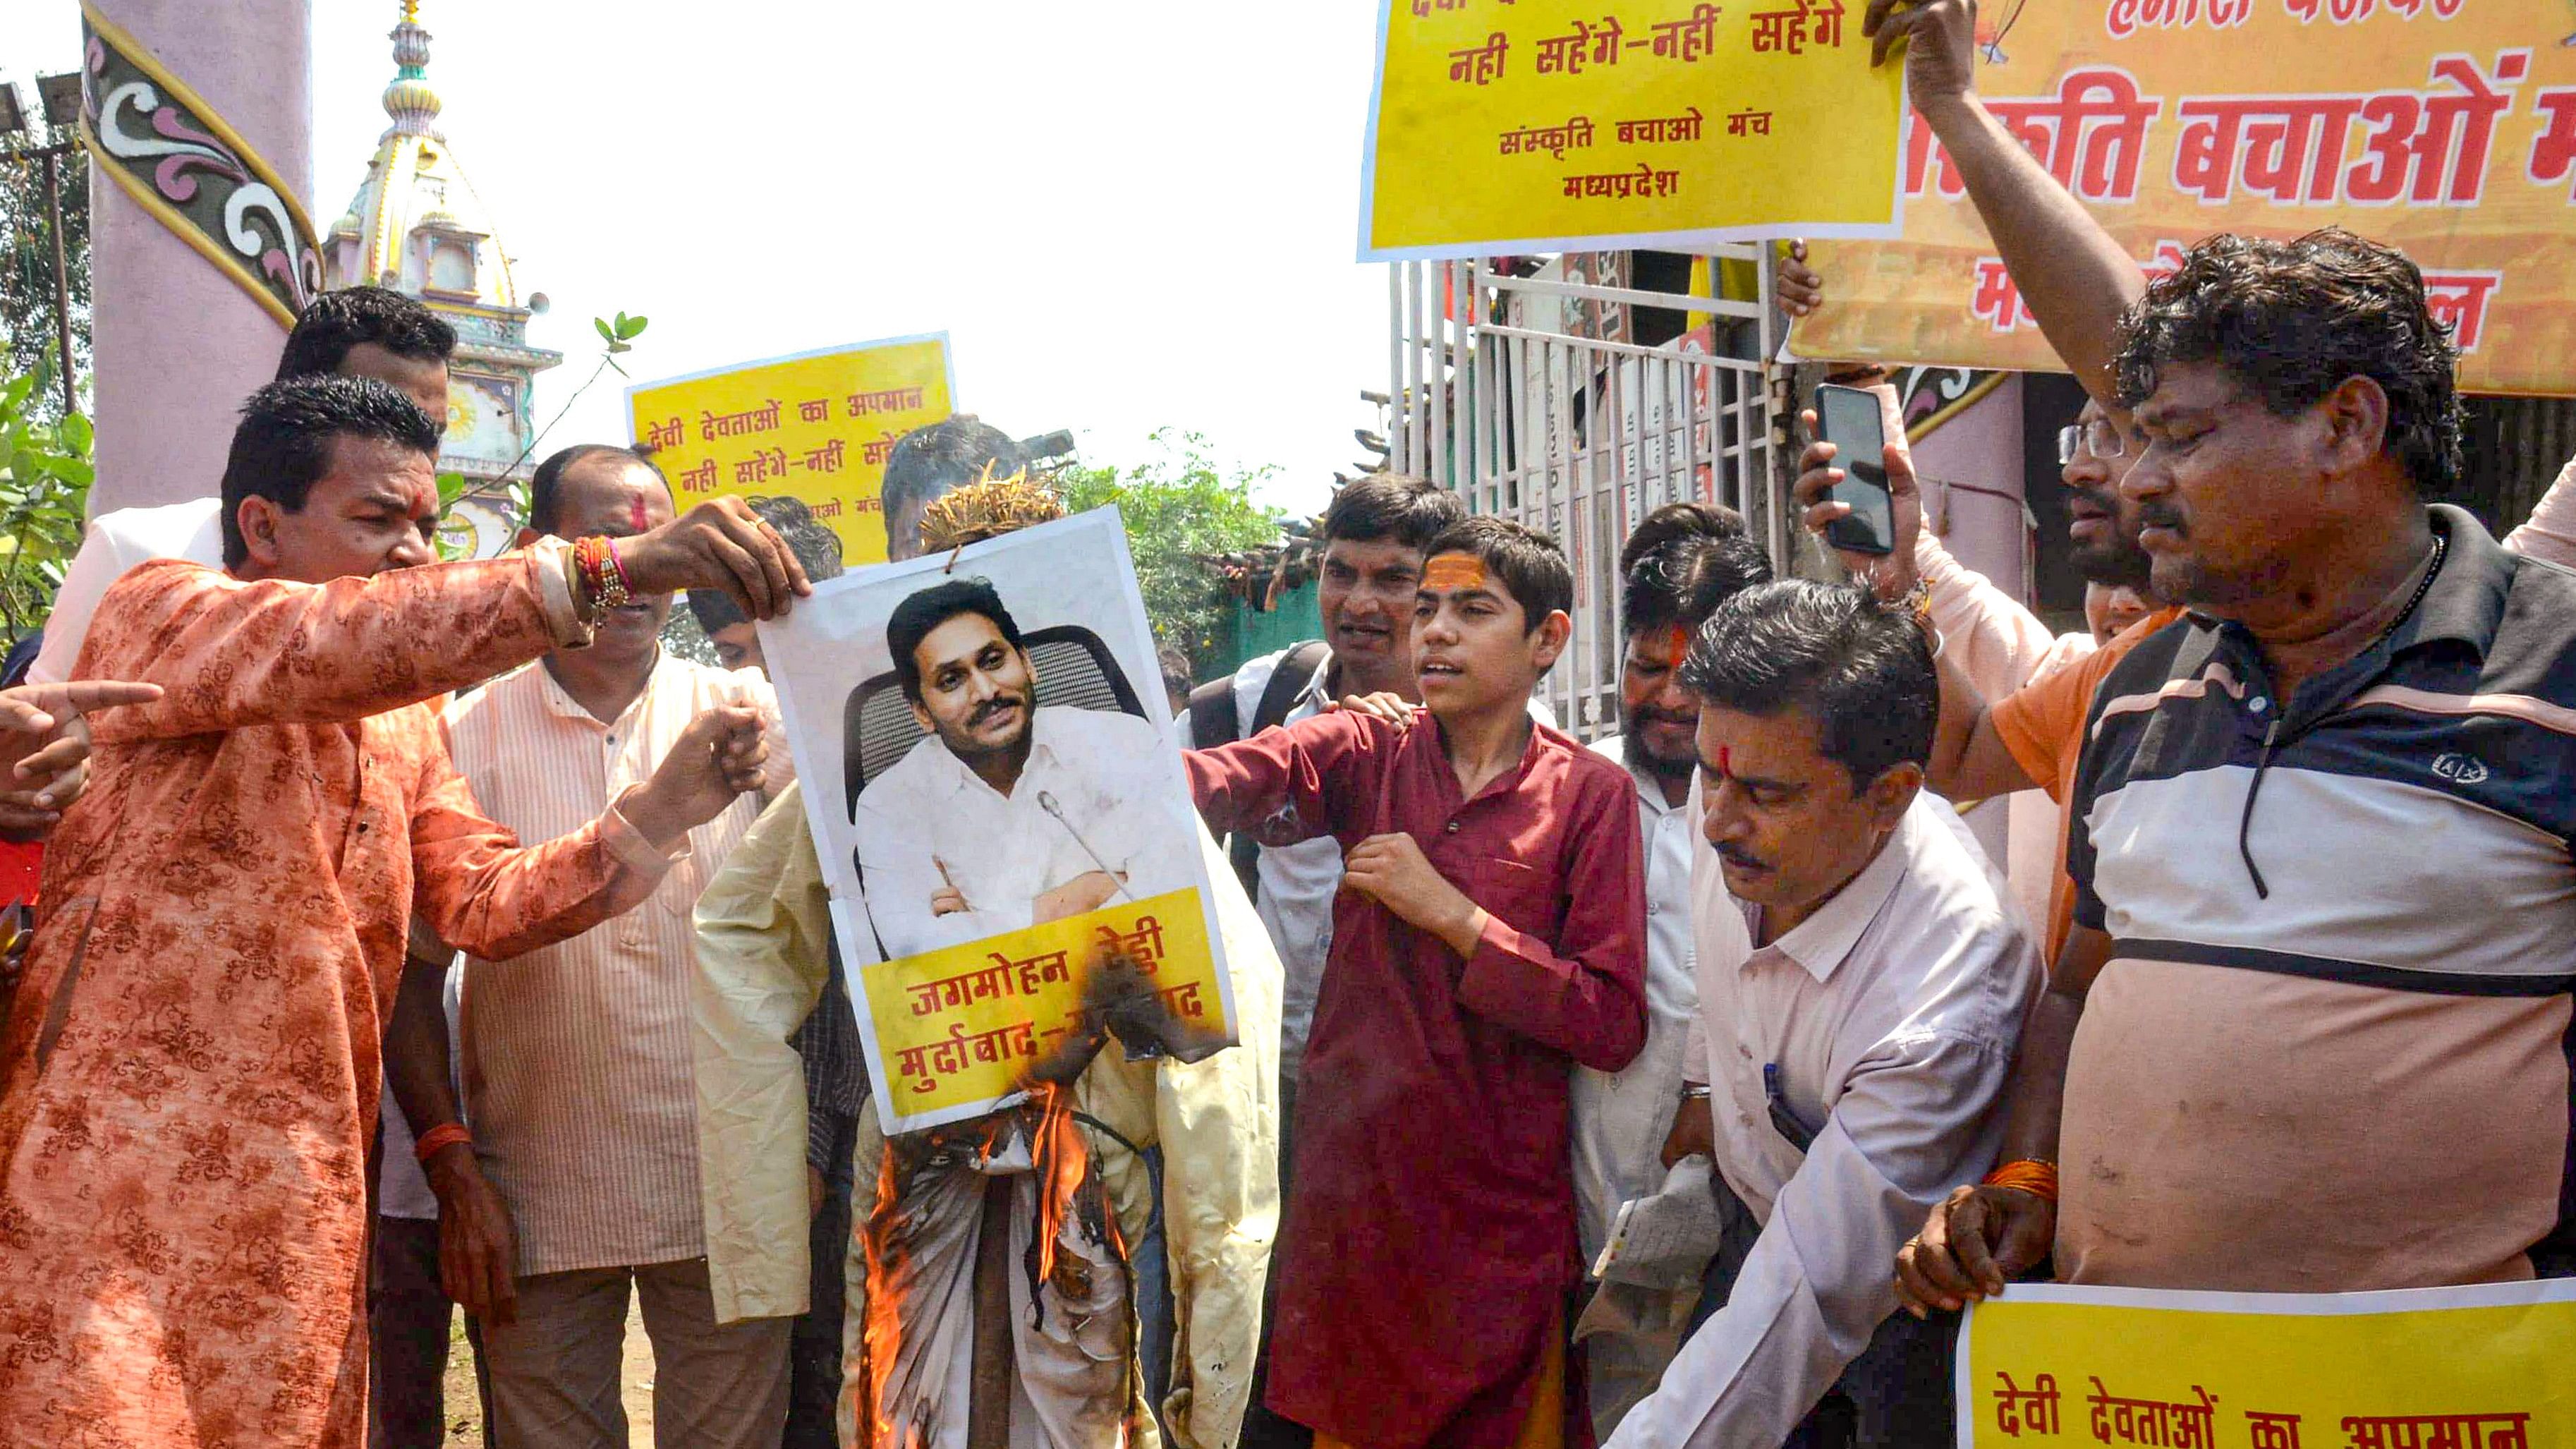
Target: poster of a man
1007,813
998,803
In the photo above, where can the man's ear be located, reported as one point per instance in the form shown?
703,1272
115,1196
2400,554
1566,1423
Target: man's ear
259,518
2356,424
1549,639
1893,792
921,717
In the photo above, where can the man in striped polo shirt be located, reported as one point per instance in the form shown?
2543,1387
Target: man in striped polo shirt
2313,1031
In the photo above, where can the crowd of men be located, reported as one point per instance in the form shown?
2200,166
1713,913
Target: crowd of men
322,813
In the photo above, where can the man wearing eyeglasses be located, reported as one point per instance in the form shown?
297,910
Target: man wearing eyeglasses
1993,648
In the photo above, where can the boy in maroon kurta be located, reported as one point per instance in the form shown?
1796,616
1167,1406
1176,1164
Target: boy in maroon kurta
1490,934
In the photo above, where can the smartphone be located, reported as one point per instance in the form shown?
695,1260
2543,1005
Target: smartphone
1848,418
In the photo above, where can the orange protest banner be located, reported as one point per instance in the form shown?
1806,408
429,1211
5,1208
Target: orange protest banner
2444,127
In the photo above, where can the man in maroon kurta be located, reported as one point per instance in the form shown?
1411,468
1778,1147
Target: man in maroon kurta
1491,933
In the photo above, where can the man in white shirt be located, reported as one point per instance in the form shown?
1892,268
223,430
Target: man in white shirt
1006,815
1857,1021
579,1184
1619,1118
359,332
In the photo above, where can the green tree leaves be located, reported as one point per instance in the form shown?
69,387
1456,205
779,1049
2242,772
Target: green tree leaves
1180,510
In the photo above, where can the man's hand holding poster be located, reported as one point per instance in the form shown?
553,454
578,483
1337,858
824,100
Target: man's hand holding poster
1016,870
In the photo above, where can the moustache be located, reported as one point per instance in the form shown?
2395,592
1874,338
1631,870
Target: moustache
992,707
1646,714
2162,515
1738,855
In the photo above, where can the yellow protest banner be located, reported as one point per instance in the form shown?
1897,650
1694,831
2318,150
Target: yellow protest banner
817,426
1553,125
951,1032
2446,128
2430,1368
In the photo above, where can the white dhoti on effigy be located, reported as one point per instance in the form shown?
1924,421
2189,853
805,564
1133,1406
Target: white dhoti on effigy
1027,1173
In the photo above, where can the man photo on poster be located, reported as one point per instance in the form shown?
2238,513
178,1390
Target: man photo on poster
1007,813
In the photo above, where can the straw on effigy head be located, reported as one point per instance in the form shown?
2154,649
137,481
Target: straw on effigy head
989,509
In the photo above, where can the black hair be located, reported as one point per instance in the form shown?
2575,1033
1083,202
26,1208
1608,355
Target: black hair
1391,506
545,488
915,617
1527,562
816,546
2292,321
282,446
336,322
1678,520
1682,580
931,460
1860,668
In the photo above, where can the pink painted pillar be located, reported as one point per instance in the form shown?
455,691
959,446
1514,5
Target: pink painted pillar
179,343
1982,446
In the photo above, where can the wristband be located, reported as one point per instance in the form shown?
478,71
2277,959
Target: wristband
2030,1175
603,573
439,1138
1694,1092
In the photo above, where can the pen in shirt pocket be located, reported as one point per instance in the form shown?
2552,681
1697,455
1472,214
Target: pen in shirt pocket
1784,1121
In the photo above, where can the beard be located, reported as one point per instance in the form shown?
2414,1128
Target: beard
1632,745
2118,563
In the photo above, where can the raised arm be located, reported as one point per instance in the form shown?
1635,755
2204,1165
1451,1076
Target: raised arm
484,893
1989,644
230,653
1292,782
2076,279
233,653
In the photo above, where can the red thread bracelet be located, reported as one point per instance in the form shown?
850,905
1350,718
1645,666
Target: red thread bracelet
439,1138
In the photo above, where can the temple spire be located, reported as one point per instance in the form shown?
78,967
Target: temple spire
410,101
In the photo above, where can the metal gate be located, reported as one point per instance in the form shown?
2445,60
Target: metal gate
1526,395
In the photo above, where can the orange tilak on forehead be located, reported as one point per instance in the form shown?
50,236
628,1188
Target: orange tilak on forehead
1669,643
1451,572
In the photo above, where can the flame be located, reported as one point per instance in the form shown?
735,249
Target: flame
1062,1171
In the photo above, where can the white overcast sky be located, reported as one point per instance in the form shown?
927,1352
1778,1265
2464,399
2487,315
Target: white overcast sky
1126,216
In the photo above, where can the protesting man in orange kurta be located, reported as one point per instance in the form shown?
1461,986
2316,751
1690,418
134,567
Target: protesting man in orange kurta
188,1080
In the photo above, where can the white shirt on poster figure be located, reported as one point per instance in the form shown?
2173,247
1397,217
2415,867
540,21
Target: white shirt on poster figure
1098,791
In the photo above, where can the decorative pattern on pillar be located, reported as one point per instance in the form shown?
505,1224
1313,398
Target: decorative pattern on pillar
1932,396
168,150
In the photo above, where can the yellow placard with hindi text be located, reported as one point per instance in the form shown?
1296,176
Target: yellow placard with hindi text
817,427
2445,128
1552,125
2434,1368
953,1031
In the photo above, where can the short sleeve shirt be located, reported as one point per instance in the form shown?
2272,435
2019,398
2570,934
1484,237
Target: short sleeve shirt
2331,1049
